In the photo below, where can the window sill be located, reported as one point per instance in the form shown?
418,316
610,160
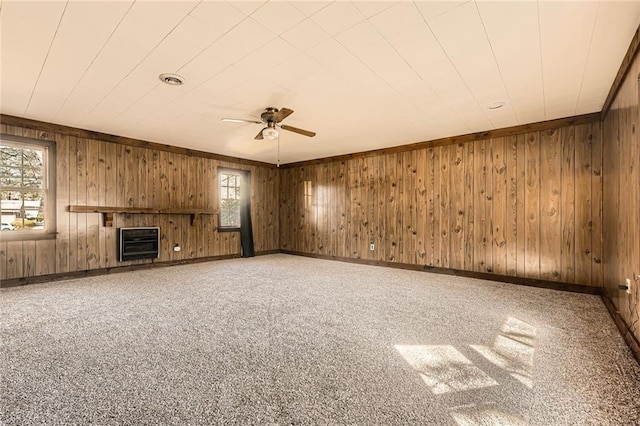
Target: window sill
26,235
221,229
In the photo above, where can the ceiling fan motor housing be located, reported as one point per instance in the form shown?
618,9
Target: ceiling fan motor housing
269,115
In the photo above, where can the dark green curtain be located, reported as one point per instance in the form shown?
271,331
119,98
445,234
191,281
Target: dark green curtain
246,229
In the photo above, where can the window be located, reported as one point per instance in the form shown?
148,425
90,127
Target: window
27,195
230,183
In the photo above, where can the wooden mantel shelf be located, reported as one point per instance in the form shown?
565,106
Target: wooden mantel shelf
108,212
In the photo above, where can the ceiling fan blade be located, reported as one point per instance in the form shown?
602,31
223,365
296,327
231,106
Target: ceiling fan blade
283,113
240,120
259,135
296,130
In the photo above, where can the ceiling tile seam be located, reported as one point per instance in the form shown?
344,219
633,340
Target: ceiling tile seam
355,4
451,62
356,56
221,35
311,46
327,4
586,61
141,61
444,102
544,95
339,32
151,113
362,62
93,60
44,62
495,60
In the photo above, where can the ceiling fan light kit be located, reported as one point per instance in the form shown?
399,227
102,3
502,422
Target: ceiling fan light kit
272,117
269,133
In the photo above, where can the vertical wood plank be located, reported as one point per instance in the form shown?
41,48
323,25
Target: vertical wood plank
408,213
15,264
421,207
499,206
488,206
511,225
480,193
469,213
431,208
597,272
111,199
81,199
458,212
532,205
62,201
550,226
522,221
437,205
93,253
390,245
582,186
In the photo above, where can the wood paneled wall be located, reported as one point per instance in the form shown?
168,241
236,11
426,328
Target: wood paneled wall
96,172
528,205
622,198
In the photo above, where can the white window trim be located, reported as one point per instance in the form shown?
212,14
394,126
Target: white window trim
237,173
49,179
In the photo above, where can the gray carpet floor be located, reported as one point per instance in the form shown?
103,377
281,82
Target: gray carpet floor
291,340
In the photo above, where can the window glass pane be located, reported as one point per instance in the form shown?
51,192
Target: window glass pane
229,200
10,176
33,202
22,176
10,156
32,178
11,210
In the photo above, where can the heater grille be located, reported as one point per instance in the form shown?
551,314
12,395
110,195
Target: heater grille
139,243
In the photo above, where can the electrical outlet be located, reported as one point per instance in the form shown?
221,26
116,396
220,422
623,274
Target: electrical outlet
176,248
627,281
372,247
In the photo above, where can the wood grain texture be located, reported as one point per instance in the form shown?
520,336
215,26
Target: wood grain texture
616,168
471,137
92,172
494,206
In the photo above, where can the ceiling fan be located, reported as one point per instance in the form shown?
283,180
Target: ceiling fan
272,118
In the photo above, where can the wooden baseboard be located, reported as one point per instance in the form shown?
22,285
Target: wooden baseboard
104,271
531,282
627,335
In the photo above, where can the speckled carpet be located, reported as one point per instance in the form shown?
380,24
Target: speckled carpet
291,340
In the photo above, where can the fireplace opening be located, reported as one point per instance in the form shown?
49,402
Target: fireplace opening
139,243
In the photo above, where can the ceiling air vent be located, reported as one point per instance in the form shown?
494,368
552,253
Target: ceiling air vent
172,79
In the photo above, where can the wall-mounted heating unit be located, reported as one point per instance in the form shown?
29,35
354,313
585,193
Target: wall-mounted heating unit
138,243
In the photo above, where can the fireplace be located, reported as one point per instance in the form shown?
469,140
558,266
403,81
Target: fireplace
139,243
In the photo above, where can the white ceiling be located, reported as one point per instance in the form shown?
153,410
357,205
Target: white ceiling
362,74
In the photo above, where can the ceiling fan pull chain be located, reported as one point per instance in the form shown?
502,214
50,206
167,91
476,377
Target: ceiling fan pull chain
278,162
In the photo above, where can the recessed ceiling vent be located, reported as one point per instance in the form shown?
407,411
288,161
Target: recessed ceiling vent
496,105
172,79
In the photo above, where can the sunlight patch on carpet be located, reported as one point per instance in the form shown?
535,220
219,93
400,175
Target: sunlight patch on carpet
486,415
444,369
513,350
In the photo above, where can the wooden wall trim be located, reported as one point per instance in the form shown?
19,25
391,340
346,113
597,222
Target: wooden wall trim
44,127
496,133
628,336
530,282
625,66
15,282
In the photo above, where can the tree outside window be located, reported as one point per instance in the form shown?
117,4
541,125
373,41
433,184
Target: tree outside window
230,183
26,201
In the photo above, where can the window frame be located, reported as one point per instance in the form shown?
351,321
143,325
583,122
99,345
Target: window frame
49,188
238,173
